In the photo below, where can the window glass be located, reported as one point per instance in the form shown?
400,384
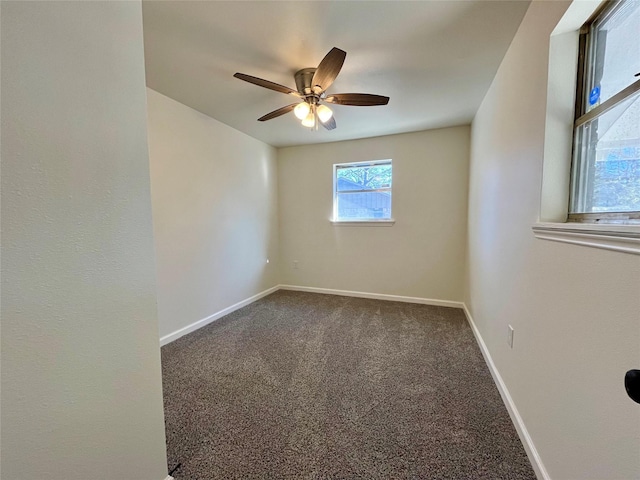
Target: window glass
609,175
363,191
606,155
615,49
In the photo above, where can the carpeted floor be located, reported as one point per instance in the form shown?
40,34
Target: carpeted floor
302,385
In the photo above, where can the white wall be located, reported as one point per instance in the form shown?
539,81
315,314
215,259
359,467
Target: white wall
214,192
81,387
575,310
422,255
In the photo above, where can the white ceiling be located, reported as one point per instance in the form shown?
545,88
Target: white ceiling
435,59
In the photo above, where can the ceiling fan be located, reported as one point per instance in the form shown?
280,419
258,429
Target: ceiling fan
312,85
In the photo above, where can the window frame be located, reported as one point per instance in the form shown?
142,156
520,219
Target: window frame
362,221
586,63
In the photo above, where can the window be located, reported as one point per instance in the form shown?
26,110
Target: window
362,191
605,177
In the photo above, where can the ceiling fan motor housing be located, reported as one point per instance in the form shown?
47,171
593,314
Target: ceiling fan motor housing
303,80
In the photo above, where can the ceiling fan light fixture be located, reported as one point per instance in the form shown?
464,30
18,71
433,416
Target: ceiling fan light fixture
309,120
302,110
324,113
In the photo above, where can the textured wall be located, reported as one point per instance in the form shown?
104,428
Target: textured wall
214,192
81,387
575,310
422,255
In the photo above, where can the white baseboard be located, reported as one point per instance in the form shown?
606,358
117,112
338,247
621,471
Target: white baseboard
169,477
345,293
376,296
205,321
525,438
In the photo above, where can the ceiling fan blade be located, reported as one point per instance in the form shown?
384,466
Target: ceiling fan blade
357,99
329,124
328,70
266,84
277,113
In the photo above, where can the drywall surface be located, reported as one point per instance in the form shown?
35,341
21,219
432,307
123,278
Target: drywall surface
81,384
575,309
422,255
214,192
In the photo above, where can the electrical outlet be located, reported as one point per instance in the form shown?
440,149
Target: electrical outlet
295,264
510,336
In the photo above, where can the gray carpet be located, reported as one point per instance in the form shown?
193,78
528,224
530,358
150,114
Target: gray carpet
302,385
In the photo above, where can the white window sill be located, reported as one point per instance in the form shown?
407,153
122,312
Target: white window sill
616,237
363,223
